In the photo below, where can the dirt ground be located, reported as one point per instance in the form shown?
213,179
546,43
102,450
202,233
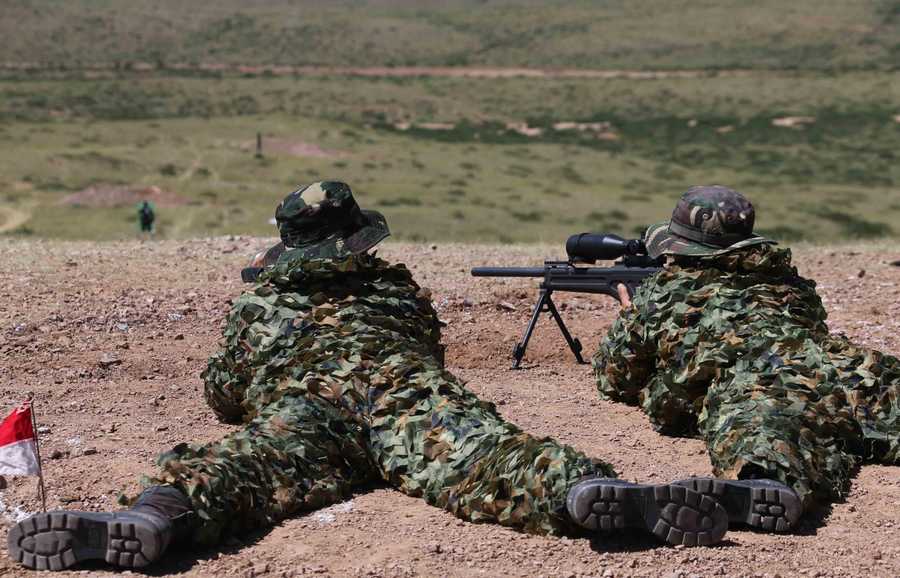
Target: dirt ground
112,337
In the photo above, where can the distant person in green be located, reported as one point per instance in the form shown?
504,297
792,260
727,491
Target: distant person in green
333,364
729,343
146,217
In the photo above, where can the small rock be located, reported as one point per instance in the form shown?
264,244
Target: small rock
56,455
109,359
895,263
2,483
162,428
468,303
43,429
179,337
506,305
861,274
68,499
89,451
433,548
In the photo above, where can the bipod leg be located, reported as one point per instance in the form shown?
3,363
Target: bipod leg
574,344
519,349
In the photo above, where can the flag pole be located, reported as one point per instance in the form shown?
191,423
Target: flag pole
37,447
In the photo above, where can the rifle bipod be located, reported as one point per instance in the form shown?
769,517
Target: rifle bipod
545,303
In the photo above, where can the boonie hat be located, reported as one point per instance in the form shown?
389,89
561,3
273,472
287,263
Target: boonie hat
708,220
323,220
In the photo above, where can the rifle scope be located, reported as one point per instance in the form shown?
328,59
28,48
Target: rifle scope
592,247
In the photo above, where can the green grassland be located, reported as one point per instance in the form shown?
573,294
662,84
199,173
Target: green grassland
115,97
835,178
666,34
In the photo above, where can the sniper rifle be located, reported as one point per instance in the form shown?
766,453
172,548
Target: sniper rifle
632,267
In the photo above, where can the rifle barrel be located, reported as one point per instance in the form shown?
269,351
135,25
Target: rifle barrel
508,271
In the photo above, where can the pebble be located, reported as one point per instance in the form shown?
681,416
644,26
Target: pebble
109,359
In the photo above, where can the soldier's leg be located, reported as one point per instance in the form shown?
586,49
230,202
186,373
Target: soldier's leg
225,381
775,423
435,439
297,454
870,380
300,453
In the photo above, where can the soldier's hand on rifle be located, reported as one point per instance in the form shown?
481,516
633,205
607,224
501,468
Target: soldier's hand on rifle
624,297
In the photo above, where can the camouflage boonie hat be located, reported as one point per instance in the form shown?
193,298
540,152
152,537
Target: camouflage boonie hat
708,220
322,220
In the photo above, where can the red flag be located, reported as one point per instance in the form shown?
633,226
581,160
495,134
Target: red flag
18,449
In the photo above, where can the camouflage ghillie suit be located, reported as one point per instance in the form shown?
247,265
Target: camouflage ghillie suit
336,366
734,347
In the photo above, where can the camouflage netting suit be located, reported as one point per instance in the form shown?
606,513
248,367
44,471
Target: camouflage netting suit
735,348
336,369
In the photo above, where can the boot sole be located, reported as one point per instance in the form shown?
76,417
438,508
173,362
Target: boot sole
59,540
674,514
758,504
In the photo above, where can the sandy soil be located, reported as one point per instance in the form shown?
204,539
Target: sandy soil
112,337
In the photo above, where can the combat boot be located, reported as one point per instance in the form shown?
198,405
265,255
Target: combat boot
763,504
673,513
129,539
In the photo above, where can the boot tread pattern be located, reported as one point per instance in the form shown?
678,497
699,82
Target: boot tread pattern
686,517
767,511
44,541
606,512
674,514
772,508
59,540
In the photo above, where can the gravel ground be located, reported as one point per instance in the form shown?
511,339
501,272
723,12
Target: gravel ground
112,337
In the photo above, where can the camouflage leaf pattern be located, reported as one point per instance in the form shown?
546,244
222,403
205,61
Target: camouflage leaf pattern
336,368
735,348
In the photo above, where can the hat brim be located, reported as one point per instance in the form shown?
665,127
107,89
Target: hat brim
660,241
337,245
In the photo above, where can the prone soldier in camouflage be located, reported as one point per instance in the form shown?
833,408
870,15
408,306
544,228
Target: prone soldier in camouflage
730,344
334,365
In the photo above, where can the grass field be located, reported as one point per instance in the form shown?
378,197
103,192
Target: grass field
460,170
770,34
798,106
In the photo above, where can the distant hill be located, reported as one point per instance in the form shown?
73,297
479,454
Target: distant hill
630,34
